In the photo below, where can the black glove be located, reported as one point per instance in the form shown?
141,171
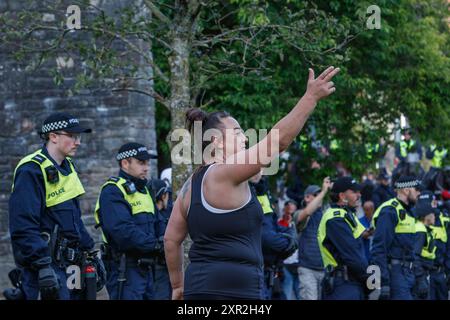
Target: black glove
13,294
293,245
48,283
95,260
385,293
447,277
422,287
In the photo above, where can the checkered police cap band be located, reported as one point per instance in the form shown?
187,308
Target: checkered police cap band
58,125
126,154
407,184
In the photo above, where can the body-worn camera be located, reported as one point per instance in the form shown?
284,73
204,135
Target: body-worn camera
129,187
52,174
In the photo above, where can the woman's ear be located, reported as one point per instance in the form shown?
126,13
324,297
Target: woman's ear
52,137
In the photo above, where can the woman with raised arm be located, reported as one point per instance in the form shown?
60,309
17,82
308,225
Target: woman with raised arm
218,209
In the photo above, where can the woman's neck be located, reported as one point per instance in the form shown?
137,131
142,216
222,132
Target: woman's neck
55,154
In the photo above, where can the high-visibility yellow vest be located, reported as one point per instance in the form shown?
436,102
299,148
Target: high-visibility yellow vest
265,203
139,202
334,145
406,223
405,147
66,188
332,213
438,156
440,232
429,249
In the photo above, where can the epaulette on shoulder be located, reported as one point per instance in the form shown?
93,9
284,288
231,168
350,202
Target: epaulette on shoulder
38,158
336,213
114,179
395,203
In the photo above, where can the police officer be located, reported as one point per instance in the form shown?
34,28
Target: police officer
407,146
341,245
436,155
393,241
163,198
425,244
278,242
383,191
126,213
47,232
408,153
440,272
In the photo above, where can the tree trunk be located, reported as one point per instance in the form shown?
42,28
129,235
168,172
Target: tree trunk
183,27
179,98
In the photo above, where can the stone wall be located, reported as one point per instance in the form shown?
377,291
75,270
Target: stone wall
26,98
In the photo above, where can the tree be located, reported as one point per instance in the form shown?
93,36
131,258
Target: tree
402,68
184,44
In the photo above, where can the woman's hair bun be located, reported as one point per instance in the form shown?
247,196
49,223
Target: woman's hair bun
195,114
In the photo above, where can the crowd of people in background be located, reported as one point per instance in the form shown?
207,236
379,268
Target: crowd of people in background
301,275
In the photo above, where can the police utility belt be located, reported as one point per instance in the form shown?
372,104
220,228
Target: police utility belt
132,259
403,263
65,254
437,269
340,272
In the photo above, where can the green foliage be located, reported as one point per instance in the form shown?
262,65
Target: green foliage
250,57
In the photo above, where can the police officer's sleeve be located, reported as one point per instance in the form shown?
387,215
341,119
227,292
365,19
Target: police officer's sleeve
271,235
350,253
419,149
429,154
447,253
376,199
163,219
117,222
86,241
398,153
26,205
419,243
382,240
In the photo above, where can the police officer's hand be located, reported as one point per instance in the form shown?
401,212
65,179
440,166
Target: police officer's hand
422,287
321,86
447,277
385,293
48,283
177,294
99,268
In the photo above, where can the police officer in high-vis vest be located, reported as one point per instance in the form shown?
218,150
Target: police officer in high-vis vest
440,272
162,195
47,232
278,242
436,155
425,215
393,244
126,213
341,244
407,146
